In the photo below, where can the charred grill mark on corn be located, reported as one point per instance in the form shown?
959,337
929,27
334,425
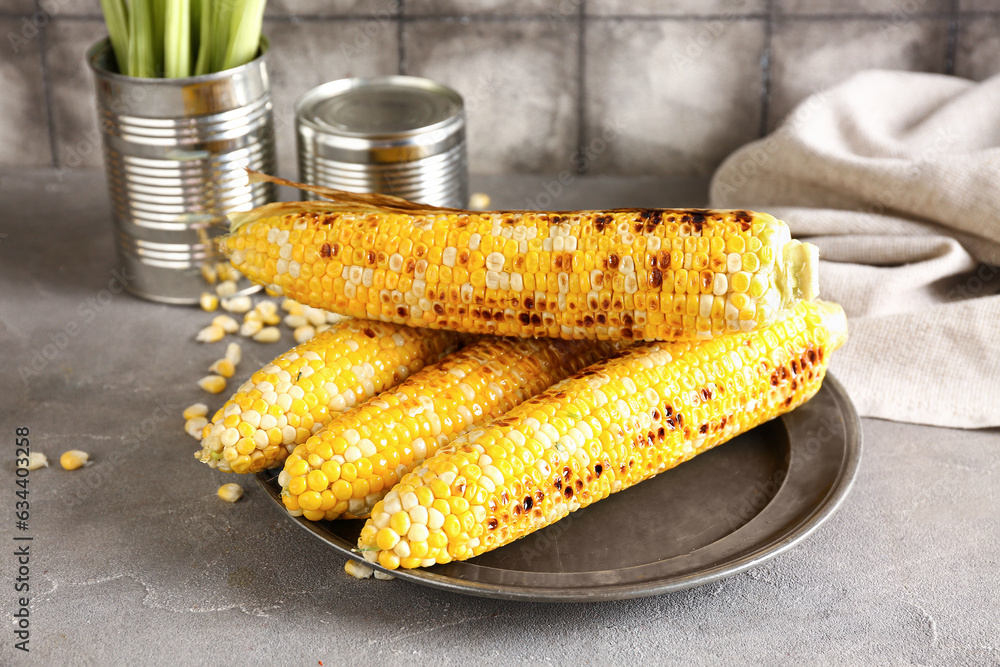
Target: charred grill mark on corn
614,424
348,466
621,274
292,397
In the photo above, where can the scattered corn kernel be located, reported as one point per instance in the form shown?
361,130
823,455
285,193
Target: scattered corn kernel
379,574
195,426
234,353
230,492
208,302
250,328
268,335
358,570
303,333
295,321
479,201
268,312
228,324
237,304
195,410
213,384
291,307
315,316
35,461
226,288
223,367
209,274
74,459
213,333
335,318
227,271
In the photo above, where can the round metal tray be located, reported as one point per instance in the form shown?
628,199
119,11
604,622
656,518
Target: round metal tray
723,512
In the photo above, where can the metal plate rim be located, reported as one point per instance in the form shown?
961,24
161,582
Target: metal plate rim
821,511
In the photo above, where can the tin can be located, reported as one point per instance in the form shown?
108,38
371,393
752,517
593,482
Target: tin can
398,135
175,152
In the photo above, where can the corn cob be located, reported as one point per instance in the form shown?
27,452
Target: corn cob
620,274
292,397
345,468
608,427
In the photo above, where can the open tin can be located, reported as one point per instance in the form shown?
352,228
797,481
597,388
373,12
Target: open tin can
397,135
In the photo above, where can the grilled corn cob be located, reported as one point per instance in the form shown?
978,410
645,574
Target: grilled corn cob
347,467
608,427
619,274
292,397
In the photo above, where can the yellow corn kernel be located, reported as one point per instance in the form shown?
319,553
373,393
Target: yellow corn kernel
230,492
195,410
209,274
251,328
213,384
208,302
213,333
223,367
74,459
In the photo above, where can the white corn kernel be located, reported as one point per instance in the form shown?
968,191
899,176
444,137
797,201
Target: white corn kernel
303,333
228,324
34,461
382,575
237,304
213,333
226,288
230,492
315,316
358,570
295,321
223,367
74,459
268,335
213,384
251,328
479,201
195,410
195,426
208,302
234,353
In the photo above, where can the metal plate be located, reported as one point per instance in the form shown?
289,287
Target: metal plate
720,513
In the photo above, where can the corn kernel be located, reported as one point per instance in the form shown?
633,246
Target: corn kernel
195,410
223,367
208,302
213,384
230,492
195,426
303,333
358,570
213,333
74,459
228,324
268,335
251,328
237,304
226,288
234,353
34,461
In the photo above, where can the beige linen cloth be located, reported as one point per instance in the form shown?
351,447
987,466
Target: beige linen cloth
896,177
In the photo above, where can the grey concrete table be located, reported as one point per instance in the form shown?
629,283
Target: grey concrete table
134,560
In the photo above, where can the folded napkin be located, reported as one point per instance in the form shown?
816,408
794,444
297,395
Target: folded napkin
896,177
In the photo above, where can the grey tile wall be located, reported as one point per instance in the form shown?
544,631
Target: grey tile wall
604,86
